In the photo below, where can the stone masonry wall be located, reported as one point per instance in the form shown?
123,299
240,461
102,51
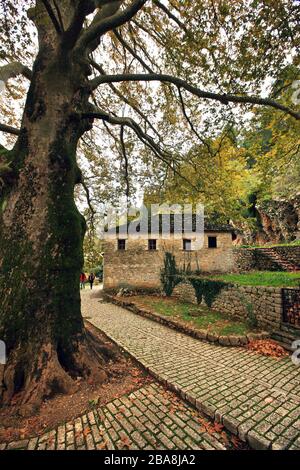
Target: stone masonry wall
138,267
245,302
242,302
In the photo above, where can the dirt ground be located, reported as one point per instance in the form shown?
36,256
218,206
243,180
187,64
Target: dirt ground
123,374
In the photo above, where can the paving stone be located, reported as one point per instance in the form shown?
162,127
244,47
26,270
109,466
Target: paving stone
185,432
258,442
90,442
70,438
62,446
42,445
231,424
61,434
18,445
32,444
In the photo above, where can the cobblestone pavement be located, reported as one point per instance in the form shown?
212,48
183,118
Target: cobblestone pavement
254,396
149,418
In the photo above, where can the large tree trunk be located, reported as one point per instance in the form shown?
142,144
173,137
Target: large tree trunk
41,235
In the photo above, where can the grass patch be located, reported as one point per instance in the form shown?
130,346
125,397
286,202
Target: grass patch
197,316
263,278
167,308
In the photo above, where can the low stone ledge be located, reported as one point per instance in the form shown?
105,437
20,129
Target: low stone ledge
203,335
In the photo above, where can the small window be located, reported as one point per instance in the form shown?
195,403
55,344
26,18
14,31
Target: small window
212,242
151,244
121,244
187,244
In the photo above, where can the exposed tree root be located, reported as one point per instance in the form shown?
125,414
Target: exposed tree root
25,384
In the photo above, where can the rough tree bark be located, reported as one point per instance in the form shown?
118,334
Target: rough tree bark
41,232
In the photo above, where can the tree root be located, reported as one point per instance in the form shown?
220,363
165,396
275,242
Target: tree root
27,384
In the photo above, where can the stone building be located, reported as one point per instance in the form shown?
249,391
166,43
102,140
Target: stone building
134,260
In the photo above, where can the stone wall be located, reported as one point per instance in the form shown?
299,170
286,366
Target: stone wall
263,304
138,267
185,292
291,253
258,259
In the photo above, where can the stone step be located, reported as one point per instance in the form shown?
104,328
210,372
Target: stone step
290,328
282,342
289,331
285,338
278,259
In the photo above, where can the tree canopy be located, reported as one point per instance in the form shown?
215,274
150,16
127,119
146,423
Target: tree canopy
172,78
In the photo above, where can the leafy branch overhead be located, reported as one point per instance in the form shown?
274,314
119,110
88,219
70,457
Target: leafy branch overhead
208,56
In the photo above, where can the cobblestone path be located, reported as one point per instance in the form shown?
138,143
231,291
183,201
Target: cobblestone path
254,396
149,418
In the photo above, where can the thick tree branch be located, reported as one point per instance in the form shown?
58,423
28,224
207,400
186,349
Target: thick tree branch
52,16
72,34
222,98
107,11
9,129
107,24
60,20
14,69
85,8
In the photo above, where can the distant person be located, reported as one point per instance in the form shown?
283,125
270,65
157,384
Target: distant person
91,279
82,280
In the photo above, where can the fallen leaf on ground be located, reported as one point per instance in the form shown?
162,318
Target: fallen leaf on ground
218,427
237,443
86,431
267,347
126,442
102,445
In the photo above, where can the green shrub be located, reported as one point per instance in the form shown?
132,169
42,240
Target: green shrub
207,289
169,274
251,317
